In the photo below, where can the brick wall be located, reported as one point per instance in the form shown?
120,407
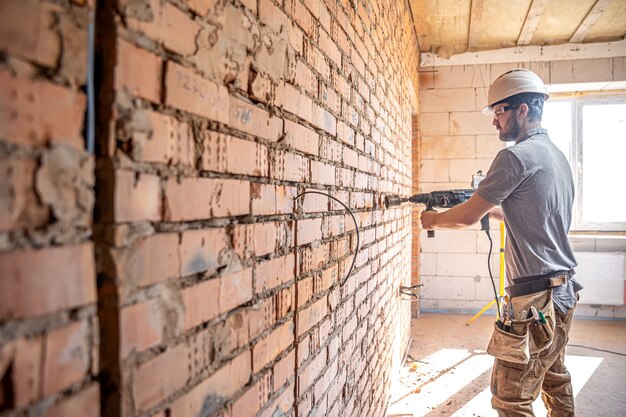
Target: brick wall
219,294
48,316
456,141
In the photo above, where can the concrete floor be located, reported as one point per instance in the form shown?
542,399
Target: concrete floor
447,372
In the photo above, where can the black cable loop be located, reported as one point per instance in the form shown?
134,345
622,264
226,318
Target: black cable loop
358,237
493,284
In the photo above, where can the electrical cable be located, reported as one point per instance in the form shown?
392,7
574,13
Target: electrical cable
597,349
358,236
493,284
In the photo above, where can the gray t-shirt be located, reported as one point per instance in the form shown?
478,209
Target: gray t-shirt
532,181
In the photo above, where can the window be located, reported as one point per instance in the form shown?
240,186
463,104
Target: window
591,132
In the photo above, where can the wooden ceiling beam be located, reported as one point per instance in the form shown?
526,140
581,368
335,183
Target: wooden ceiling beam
595,12
476,13
532,20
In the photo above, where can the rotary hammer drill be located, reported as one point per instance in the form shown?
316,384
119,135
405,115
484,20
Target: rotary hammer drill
443,199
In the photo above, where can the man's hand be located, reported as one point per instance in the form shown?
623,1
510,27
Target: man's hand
428,218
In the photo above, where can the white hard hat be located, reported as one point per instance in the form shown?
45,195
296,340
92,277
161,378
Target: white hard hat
514,82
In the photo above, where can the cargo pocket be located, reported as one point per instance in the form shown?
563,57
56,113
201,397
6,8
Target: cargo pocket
507,379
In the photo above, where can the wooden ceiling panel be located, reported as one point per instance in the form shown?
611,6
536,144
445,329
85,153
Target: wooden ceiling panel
501,23
560,20
448,25
611,25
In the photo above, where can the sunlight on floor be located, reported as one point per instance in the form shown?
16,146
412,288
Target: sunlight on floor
427,383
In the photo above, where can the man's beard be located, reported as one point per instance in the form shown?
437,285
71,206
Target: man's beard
513,132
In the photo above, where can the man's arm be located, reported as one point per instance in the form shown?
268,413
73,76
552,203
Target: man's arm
458,217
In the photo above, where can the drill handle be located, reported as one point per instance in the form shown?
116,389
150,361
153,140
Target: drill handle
429,207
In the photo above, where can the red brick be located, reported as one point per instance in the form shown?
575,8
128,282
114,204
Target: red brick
285,302
284,199
210,394
224,153
253,399
67,355
37,282
348,329
330,99
200,249
280,406
322,173
329,47
225,337
330,149
311,372
263,199
28,28
345,178
188,91
302,17
243,240
310,316
265,238
212,198
308,230
303,351
201,302
301,138
323,119
169,141
168,26
316,60
151,260
314,202
271,346
34,112
328,278
20,205
81,404
287,97
235,290
305,291
313,258
254,120
345,133
26,355
350,157
178,31
141,327
262,317
333,226
160,377
361,180
305,78
271,274
284,370
138,71
288,166
137,197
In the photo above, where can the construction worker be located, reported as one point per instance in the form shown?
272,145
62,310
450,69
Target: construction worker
530,187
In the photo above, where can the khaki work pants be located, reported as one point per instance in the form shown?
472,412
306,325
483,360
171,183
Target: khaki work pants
515,386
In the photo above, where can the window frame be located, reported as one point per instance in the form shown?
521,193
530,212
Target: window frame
578,100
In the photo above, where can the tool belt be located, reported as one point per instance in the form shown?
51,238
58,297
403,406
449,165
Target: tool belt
519,335
537,283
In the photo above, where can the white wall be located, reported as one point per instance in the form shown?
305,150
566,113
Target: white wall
456,141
